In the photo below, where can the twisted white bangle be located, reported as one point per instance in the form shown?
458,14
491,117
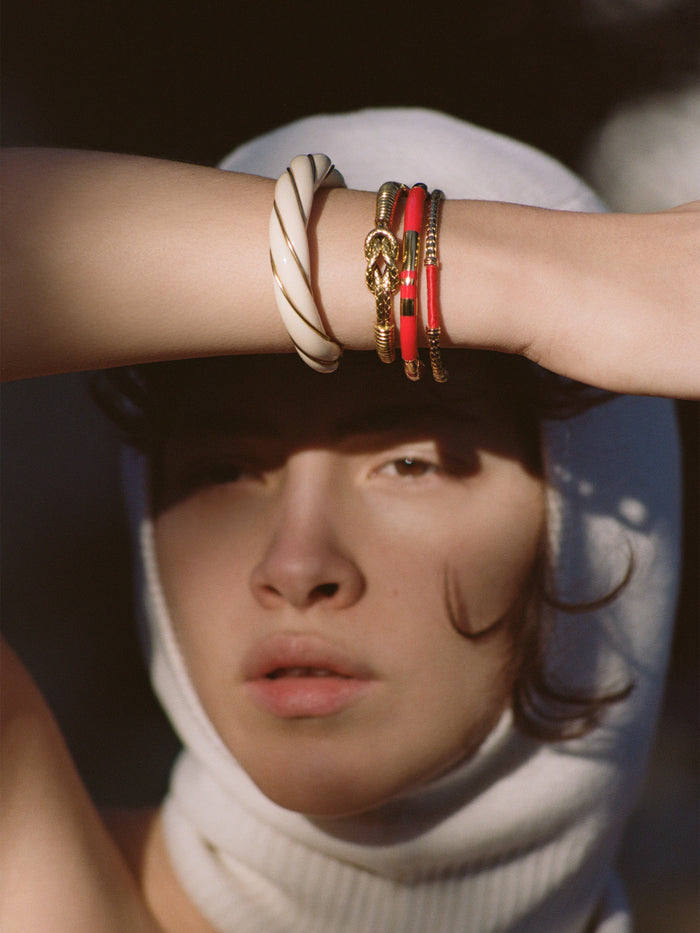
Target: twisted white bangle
289,257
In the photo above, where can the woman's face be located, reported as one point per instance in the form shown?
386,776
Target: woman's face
322,540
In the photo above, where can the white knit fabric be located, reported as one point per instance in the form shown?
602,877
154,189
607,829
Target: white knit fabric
523,836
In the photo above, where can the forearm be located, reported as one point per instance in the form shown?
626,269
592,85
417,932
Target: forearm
113,259
610,299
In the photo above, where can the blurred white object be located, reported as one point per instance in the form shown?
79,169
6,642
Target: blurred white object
646,156
624,12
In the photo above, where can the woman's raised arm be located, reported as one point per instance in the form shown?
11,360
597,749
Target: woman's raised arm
117,259
59,868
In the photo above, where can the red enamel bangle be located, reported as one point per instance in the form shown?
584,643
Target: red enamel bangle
413,221
431,272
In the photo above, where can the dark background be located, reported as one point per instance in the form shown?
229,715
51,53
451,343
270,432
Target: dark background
189,81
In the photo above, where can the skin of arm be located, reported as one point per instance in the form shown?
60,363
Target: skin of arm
109,260
59,867
118,259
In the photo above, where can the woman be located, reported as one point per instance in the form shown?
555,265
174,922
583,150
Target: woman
349,835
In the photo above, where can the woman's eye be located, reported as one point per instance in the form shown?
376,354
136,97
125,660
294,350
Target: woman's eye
410,467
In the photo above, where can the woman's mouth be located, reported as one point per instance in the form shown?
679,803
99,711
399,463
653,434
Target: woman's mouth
301,672
296,676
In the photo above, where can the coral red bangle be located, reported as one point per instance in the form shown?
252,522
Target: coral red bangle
431,273
413,222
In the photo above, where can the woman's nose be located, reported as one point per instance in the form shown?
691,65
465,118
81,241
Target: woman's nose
304,563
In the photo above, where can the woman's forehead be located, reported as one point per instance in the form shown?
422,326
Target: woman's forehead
278,394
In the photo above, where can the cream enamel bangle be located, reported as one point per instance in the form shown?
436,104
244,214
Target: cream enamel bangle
289,258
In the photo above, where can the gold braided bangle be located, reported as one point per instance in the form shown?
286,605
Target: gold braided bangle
382,275
431,264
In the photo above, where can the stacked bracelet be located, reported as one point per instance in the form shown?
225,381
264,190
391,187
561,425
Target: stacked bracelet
410,259
382,275
289,257
431,272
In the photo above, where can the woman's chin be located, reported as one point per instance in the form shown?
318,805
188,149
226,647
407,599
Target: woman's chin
324,801
326,795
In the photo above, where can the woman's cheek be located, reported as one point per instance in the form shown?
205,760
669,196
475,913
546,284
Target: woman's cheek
489,556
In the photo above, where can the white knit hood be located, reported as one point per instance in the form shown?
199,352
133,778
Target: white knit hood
523,836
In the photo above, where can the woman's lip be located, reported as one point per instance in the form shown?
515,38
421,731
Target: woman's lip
297,676
307,697
287,651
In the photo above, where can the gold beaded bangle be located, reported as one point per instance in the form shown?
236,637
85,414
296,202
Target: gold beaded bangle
382,275
431,264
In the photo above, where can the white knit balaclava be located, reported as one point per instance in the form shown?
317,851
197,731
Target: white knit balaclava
523,836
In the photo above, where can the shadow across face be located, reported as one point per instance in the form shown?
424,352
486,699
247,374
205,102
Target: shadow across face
279,406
